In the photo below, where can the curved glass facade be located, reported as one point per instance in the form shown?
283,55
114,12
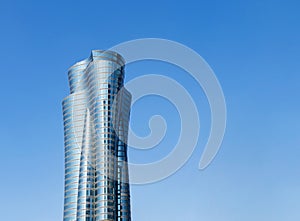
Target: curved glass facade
96,116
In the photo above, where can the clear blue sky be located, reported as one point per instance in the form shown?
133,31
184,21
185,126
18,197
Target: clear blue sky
254,49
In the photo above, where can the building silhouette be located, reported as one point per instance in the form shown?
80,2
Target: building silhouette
96,116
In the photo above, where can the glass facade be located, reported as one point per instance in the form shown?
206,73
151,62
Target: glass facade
96,116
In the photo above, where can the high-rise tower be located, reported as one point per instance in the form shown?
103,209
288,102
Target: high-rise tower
96,116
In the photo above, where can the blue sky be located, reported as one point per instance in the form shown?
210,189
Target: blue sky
254,49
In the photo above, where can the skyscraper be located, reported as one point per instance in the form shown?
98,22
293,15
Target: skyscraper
96,116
